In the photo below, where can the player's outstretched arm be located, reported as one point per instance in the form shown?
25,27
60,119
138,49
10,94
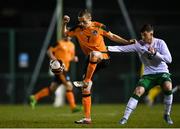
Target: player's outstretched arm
66,20
50,54
119,39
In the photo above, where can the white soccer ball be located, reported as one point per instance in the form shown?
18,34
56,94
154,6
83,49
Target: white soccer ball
56,66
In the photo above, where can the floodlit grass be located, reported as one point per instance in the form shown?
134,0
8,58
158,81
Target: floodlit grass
103,116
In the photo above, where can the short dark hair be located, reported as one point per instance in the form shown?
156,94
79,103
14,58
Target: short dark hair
147,27
84,12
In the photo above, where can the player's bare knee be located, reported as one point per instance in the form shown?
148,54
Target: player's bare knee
69,86
167,85
139,91
95,56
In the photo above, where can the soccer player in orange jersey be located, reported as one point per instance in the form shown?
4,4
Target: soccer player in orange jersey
64,51
90,35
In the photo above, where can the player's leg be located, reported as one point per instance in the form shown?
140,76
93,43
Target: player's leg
69,92
86,95
70,98
132,103
60,99
42,93
86,85
94,58
168,97
144,83
86,101
152,94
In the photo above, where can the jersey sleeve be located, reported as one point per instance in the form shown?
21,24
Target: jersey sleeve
71,33
123,49
103,27
106,31
54,48
163,54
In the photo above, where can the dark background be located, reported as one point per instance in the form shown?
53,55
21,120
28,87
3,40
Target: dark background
30,20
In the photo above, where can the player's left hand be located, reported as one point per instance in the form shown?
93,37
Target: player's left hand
152,50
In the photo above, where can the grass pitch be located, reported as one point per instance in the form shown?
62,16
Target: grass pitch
103,116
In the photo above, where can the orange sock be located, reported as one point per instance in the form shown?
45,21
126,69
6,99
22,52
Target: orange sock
86,101
42,93
90,71
71,99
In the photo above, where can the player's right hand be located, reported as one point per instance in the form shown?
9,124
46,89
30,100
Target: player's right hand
132,41
66,19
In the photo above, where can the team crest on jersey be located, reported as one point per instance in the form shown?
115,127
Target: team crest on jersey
94,32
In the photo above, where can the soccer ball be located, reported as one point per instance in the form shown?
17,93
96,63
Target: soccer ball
56,66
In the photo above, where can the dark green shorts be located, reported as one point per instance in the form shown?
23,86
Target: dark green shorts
151,80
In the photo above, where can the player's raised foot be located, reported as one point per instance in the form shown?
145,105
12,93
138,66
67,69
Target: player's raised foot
168,119
33,101
82,84
123,121
76,109
83,121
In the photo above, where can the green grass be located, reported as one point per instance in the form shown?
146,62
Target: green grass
103,116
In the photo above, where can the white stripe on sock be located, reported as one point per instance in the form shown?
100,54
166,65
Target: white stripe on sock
131,105
168,99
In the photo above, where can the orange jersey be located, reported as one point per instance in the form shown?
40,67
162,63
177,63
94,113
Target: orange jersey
65,51
90,38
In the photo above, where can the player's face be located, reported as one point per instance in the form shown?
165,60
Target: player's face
84,21
147,36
